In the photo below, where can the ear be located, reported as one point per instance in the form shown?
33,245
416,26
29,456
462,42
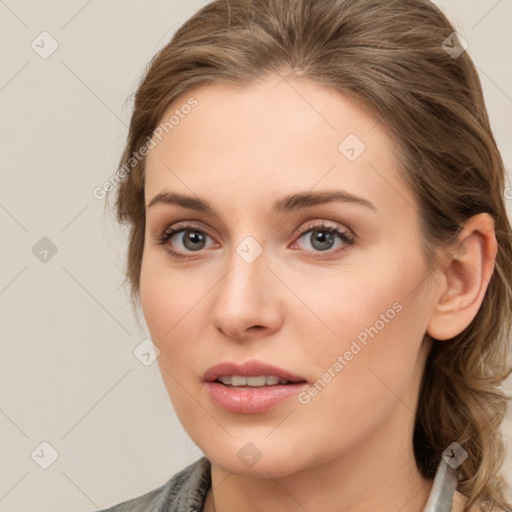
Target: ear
465,276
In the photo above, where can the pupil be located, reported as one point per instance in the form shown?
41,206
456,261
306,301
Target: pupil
324,238
194,237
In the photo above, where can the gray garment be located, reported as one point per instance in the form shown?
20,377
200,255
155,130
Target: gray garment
186,491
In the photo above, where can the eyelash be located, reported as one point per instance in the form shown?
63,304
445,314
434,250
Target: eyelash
345,237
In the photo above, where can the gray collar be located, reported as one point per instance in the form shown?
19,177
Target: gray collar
443,489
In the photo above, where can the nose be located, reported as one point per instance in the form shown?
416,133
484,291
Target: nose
246,303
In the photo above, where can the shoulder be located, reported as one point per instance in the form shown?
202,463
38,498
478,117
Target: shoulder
185,490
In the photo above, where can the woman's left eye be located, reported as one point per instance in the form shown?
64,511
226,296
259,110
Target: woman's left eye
319,237
322,238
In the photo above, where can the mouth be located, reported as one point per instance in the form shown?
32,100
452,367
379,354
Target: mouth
253,374
252,387
259,381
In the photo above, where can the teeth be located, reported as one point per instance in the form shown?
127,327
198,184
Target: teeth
253,381
260,380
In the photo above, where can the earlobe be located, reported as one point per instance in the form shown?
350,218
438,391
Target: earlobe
466,270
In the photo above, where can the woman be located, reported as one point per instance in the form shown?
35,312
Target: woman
320,247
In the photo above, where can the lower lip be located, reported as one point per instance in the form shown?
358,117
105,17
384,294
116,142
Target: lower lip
251,400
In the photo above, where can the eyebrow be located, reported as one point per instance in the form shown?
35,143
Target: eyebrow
286,204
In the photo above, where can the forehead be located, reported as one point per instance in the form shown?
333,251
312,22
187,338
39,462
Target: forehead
275,136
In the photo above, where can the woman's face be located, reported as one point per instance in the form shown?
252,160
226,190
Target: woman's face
336,293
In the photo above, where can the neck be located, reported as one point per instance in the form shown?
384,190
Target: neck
381,474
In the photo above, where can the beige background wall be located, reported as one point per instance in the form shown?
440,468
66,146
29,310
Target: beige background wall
68,375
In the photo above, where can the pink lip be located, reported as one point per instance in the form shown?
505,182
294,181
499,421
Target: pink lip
251,368
250,400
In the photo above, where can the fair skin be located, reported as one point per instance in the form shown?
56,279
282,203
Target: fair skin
297,306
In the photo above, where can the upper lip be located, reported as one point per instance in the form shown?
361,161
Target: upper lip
249,369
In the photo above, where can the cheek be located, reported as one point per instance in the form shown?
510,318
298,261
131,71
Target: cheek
177,311
373,297
377,379
166,297
171,307
374,319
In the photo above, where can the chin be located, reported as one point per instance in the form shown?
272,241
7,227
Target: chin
261,459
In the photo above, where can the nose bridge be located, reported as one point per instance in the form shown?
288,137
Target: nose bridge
244,296
242,287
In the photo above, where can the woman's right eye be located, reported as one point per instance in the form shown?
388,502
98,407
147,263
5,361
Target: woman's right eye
188,239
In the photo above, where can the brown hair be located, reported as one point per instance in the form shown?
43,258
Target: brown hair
389,57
